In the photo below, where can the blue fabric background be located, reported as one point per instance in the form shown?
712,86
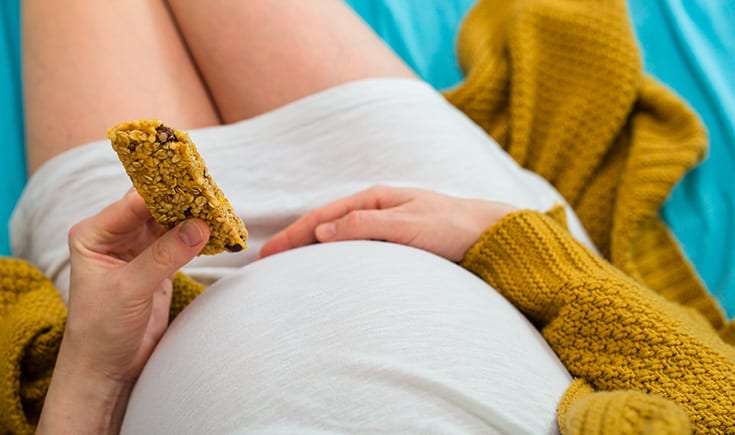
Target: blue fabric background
422,32
12,157
688,45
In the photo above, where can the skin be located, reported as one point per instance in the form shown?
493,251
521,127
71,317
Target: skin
87,68
121,284
258,55
437,223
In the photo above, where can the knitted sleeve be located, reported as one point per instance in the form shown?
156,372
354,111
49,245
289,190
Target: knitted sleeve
606,328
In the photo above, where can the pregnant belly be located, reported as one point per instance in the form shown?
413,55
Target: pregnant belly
349,337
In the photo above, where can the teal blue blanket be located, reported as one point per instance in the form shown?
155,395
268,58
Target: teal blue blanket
12,156
688,45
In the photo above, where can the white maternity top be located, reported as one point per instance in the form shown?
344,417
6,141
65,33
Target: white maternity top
358,337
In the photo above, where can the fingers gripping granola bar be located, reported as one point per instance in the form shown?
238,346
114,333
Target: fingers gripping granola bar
168,172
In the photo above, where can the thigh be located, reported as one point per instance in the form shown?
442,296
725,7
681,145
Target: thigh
257,55
89,64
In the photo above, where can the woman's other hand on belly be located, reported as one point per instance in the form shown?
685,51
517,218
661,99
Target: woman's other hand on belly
441,224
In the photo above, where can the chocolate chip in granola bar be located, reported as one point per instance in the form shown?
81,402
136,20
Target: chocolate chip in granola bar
165,134
234,248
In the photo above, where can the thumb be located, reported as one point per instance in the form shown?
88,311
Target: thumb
167,254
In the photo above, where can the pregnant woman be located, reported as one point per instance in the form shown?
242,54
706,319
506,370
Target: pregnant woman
295,106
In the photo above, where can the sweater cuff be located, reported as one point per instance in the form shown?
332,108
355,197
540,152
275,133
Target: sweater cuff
529,258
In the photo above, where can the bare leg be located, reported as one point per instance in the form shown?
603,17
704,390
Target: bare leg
257,55
90,64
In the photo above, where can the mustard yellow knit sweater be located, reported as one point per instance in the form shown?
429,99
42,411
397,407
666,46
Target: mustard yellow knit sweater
613,334
558,84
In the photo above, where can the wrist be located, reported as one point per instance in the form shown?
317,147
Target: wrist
82,400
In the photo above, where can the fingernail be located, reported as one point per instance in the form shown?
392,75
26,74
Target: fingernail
189,233
326,231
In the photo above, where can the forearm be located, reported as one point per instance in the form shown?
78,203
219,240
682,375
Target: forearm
81,401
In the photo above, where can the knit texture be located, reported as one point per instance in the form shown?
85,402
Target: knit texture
32,318
584,411
610,331
559,85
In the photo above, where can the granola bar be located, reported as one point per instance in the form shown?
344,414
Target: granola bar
168,172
